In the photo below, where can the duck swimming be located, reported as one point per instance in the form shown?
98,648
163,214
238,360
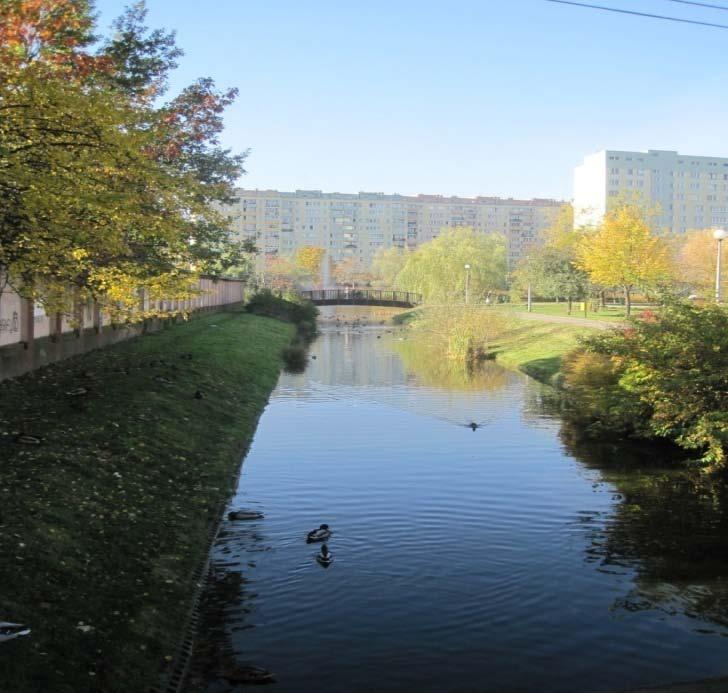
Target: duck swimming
325,558
245,515
10,631
320,534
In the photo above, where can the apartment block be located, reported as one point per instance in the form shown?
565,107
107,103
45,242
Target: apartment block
357,225
687,192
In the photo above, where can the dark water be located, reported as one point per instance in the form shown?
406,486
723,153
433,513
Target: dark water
512,558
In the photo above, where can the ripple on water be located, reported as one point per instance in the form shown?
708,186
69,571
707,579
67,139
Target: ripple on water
463,561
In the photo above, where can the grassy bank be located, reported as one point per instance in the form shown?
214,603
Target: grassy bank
536,348
105,519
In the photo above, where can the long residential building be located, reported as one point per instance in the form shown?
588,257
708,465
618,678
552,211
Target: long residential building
685,191
357,225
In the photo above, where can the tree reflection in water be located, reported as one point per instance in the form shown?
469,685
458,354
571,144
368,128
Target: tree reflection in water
668,526
434,369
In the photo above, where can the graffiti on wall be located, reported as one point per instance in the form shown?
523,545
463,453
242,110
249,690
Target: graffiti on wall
10,325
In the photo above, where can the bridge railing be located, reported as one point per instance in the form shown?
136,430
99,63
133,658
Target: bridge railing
363,296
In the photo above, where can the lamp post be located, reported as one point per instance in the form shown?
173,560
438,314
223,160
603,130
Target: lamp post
719,235
467,284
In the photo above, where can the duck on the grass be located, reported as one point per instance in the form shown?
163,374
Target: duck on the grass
320,534
10,631
245,515
325,558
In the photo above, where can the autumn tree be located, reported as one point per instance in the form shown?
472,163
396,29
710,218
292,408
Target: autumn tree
351,271
103,187
437,268
623,252
309,259
697,255
281,273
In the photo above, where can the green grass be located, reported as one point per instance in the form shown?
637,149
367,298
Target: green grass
407,317
105,522
561,309
536,348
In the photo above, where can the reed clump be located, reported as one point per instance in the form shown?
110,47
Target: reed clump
463,333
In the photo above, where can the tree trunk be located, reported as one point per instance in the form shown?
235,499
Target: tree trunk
627,300
602,299
569,305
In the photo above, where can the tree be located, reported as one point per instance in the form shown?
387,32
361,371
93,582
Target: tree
437,269
308,260
623,252
551,272
102,188
697,257
280,273
351,271
387,264
561,234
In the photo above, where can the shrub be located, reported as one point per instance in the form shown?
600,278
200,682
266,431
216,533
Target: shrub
290,309
667,374
295,358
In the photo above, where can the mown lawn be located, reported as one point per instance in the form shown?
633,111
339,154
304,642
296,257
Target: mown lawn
104,522
536,348
613,313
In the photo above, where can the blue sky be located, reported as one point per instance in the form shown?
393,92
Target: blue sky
467,98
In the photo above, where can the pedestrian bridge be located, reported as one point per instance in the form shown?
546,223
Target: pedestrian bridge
363,297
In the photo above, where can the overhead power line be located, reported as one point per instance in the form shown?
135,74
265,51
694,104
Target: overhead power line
701,4
640,14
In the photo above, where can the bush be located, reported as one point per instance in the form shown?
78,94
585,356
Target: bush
290,309
295,358
591,381
301,313
664,375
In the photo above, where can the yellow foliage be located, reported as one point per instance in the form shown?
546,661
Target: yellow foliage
309,258
624,252
697,258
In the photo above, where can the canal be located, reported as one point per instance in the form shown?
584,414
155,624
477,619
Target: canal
512,557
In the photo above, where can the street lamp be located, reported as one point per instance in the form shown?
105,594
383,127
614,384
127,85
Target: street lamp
467,284
719,235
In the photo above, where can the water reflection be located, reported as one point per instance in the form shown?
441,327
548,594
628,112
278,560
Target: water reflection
668,525
513,558
434,370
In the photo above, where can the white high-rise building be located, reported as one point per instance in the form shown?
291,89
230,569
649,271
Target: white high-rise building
357,225
686,192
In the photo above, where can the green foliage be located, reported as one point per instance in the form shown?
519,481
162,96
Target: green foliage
387,264
291,309
437,268
665,375
103,188
551,272
295,358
